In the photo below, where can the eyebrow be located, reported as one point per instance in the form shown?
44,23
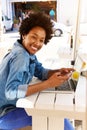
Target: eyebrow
37,35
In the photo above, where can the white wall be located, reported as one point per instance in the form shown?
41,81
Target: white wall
67,11
84,11
4,6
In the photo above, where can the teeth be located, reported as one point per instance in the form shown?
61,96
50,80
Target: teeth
34,48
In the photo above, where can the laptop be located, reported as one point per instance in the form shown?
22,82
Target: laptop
71,84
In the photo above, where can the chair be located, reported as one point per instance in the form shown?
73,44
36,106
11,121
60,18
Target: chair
68,125
15,119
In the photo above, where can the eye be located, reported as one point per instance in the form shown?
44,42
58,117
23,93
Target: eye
42,40
33,37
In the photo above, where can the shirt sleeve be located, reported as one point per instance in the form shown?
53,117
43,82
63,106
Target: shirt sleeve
16,82
40,71
22,90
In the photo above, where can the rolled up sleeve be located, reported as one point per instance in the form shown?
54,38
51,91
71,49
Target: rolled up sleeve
22,90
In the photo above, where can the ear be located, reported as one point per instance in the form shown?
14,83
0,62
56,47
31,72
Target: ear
23,37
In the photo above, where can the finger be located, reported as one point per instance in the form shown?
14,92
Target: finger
64,77
68,70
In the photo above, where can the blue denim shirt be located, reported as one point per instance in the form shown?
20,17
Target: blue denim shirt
16,71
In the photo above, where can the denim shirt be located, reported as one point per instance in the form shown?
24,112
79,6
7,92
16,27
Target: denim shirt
16,71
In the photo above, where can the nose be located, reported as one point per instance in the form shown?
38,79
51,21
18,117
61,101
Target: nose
37,42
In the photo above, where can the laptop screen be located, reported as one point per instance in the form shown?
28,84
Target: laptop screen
80,64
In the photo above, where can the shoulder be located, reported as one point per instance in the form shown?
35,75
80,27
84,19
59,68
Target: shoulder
19,51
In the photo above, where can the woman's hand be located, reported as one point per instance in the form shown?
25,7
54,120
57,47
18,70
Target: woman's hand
64,71
57,79
61,71
54,80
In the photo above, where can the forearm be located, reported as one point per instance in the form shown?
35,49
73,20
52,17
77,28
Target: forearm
54,79
38,87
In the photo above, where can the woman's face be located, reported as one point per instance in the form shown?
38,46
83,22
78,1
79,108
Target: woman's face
34,40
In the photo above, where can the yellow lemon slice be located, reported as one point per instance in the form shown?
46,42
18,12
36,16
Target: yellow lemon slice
75,75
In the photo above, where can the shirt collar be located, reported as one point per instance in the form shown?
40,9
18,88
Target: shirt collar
31,57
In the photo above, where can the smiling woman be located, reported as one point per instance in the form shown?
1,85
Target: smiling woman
20,65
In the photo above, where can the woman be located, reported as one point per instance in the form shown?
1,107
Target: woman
20,65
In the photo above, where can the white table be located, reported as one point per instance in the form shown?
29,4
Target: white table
48,108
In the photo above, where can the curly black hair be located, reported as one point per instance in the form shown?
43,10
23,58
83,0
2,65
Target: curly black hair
37,19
